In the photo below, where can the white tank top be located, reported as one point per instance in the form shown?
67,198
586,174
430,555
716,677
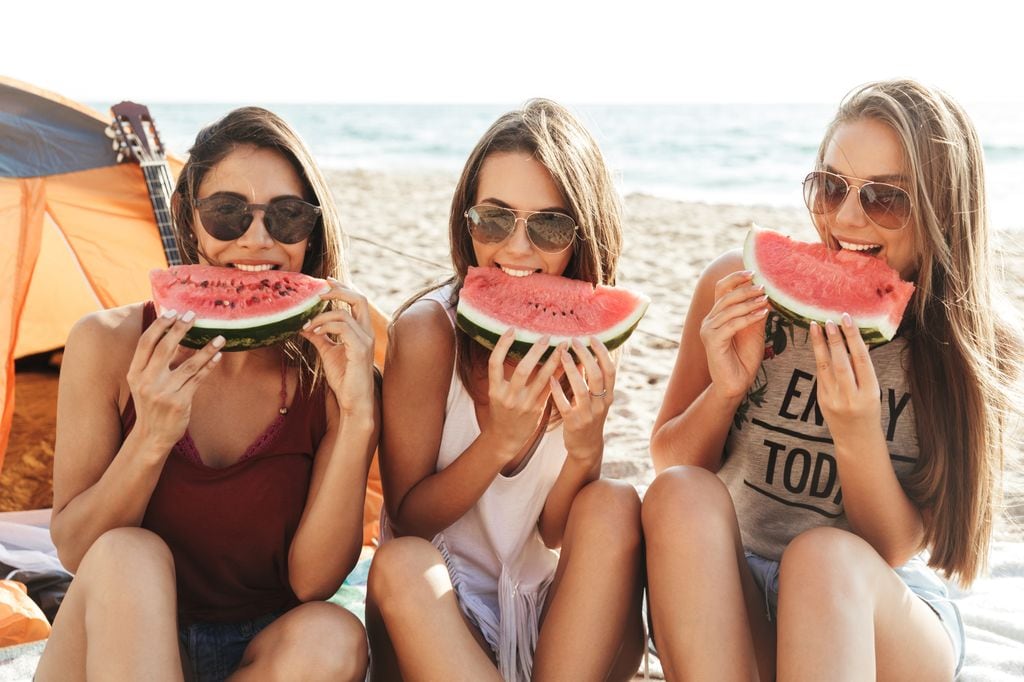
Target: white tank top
498,563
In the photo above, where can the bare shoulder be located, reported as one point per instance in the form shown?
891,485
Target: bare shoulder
726,264
103,343
422,334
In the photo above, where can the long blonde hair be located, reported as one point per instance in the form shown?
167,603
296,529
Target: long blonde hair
556,138
963,359
263,129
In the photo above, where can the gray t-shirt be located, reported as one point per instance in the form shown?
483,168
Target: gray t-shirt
780,465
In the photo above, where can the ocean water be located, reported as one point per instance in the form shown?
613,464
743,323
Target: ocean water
715,153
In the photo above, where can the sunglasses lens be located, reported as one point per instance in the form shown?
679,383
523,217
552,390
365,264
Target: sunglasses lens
551,232
224,218
824,192
291,220
887,205
491,224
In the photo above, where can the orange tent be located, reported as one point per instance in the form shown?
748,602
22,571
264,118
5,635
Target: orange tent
77,231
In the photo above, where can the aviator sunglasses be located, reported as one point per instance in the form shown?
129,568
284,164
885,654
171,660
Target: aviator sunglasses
887,206
549,231
288,220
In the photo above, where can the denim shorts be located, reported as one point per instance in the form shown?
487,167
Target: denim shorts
214,650
915,574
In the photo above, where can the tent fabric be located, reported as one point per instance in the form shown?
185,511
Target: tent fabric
43,134
77,232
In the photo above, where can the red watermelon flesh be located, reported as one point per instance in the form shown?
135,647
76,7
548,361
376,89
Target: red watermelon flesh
809,281
491,301
250,309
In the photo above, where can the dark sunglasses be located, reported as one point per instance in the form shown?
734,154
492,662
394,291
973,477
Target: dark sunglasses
288,220
887,206
549,231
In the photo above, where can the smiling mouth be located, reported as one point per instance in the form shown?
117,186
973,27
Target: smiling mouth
516,272
254,268
869,249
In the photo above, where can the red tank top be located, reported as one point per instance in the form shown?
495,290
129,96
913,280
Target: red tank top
230,529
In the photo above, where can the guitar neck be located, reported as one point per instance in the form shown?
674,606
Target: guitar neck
160,186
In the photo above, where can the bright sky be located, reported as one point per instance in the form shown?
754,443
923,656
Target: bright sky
625,51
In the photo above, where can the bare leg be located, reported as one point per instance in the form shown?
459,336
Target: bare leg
313,641
845,615
118,620
708,615
413,594
591,628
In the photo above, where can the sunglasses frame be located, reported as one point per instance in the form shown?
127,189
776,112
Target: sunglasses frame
526,223
248,211
864,183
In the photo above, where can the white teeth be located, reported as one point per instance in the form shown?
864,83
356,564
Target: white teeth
515,273
254,268
859,247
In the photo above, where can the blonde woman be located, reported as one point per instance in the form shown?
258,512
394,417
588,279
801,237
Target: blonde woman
491,465
807,556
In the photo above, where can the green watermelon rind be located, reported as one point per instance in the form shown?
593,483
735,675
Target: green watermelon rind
802,314
254,336
486,330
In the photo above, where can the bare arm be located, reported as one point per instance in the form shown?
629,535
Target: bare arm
329,536
101,482
875,503
720,351
420,500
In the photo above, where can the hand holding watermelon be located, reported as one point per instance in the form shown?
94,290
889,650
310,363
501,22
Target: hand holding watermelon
517,403
733,334
348,357
163,377
593,390
847,385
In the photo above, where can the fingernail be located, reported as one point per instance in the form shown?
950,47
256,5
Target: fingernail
830,328
763,299
747,273
759,287
218,341
188,317
217,357
317,330
168,314
306,326
847,320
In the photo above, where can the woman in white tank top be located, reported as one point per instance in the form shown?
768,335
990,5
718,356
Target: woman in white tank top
516,560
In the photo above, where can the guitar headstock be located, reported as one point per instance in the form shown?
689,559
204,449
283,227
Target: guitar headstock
134,133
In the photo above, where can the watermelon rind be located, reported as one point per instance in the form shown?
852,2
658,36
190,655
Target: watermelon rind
875,331
178,284
241,338
486,330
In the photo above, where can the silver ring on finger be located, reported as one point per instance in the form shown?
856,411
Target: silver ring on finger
599,395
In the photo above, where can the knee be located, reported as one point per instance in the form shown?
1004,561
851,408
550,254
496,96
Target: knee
127,554
609,511
396,565
683,499
321,641
825,561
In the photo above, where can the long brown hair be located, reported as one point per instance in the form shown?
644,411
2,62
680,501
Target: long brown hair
260,128
556,138
963,359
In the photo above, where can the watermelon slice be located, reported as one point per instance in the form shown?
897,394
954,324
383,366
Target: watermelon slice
809,281
536,305
249,309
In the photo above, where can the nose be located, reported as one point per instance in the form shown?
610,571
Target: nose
519,240
256,235
851,212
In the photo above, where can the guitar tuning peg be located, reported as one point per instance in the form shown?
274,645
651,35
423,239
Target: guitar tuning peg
109,132
120,157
